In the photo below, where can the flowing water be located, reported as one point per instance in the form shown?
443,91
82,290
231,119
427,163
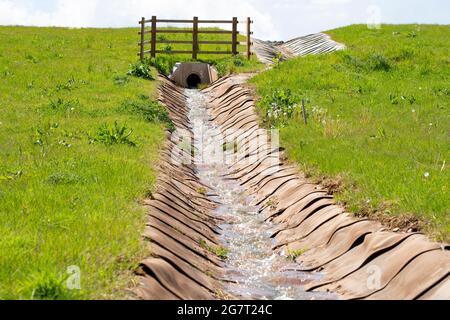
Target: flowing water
253,269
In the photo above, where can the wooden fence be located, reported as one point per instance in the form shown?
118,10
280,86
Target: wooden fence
195,42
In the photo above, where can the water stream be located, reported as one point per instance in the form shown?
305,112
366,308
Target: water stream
253,269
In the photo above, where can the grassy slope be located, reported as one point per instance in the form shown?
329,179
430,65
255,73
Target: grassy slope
77,204
383,130
65,201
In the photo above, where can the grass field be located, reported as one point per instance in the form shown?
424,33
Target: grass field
67,198
379,119
79,141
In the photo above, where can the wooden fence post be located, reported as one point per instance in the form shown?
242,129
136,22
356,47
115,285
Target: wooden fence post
195,39
234,40
142,38
249,41
305,117
153,50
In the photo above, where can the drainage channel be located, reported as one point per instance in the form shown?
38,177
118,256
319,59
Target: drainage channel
252,269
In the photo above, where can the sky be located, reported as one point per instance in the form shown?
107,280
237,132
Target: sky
273,19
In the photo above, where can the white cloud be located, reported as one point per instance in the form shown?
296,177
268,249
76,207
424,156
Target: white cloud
118,13
274,19
329,2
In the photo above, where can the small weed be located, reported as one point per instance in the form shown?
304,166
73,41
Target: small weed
353,61
230,146
116,134
277,59
11,175
378,62
203,86
294,254
393,98
168,49
219,251
42,136
69,85
441,92
57,55
121,80
238,62
272,204
381,133
46,286
141,69
201,190
61,105
63,178
31,58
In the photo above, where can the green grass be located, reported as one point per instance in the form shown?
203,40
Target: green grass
75,159
378,119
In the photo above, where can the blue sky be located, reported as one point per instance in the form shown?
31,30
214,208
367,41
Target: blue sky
281,20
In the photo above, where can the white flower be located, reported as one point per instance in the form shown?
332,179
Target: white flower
426,175
413,110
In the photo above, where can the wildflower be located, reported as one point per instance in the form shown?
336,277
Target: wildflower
413,110
426,175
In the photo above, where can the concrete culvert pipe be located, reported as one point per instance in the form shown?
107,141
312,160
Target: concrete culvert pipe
193,81
192,74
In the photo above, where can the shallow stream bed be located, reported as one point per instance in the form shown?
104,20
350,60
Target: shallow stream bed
252,268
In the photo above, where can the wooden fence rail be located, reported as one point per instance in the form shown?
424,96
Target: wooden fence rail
195,42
